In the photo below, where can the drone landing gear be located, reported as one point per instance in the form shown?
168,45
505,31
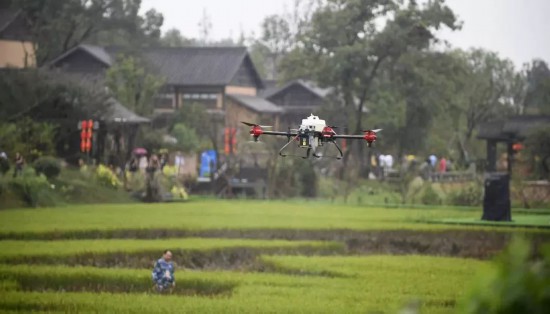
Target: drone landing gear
286,145
339,155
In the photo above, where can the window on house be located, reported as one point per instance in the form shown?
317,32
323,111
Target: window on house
164,101
209,100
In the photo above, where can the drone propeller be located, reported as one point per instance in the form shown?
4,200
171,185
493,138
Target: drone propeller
255,124
375,131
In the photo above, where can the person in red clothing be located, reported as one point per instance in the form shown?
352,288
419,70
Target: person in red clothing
442,165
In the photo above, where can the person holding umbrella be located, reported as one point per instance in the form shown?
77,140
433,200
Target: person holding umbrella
141,156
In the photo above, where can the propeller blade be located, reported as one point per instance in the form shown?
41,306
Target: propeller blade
333,126
255,124
375,131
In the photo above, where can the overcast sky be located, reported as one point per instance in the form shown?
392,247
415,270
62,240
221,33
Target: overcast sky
516,29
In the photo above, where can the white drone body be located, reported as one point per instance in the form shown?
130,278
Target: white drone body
312,124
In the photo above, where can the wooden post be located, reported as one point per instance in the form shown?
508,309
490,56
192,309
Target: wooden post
510,149
491,156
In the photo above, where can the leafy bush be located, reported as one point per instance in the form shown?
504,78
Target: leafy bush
178,192
4,165
429,196
538,150
48,166
34,190
515,285
169,171
106,177
28,137
469,195
188,140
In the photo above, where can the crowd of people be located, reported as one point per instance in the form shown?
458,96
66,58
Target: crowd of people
432,167
153,163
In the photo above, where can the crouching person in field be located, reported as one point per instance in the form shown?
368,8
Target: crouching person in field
163,273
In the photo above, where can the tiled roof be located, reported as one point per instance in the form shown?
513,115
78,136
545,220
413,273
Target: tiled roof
206,66
256,103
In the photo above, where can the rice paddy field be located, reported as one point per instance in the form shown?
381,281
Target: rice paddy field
249,257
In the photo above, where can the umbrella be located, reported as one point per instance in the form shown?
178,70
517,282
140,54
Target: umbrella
140,151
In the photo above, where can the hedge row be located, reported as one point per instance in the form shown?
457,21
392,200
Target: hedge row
85,279
228,258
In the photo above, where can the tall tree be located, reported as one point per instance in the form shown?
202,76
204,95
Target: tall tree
57,26
174,38
345,46
537,95
133,85
277,40
489,88
32,97
205,27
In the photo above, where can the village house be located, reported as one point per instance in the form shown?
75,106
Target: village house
16,47
223,79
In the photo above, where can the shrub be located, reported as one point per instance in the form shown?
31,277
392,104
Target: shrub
429,196
178,192
515,285
106,177
469,195
34,190
169,171
188,140
49,166
4,165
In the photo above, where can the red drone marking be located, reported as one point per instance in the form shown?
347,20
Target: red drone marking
328,132
370,136
256,131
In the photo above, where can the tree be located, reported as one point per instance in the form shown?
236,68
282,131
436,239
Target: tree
29,138
537,95
132,85
47,95
188,140
174,38
279,36
205,27
344,47
276,39
57,26
47,106
538,151
488,88
207,126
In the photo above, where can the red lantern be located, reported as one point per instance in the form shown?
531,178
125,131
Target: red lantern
517,147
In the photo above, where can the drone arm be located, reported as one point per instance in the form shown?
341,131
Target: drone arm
279,133
353,137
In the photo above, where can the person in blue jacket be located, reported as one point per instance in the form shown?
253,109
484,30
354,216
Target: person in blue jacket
163,272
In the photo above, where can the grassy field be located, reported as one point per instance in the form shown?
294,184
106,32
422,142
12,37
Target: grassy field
93,265
213,214
361,284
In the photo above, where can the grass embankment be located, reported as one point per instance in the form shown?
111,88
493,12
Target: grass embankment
188,252
359,284
9,248
215,214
